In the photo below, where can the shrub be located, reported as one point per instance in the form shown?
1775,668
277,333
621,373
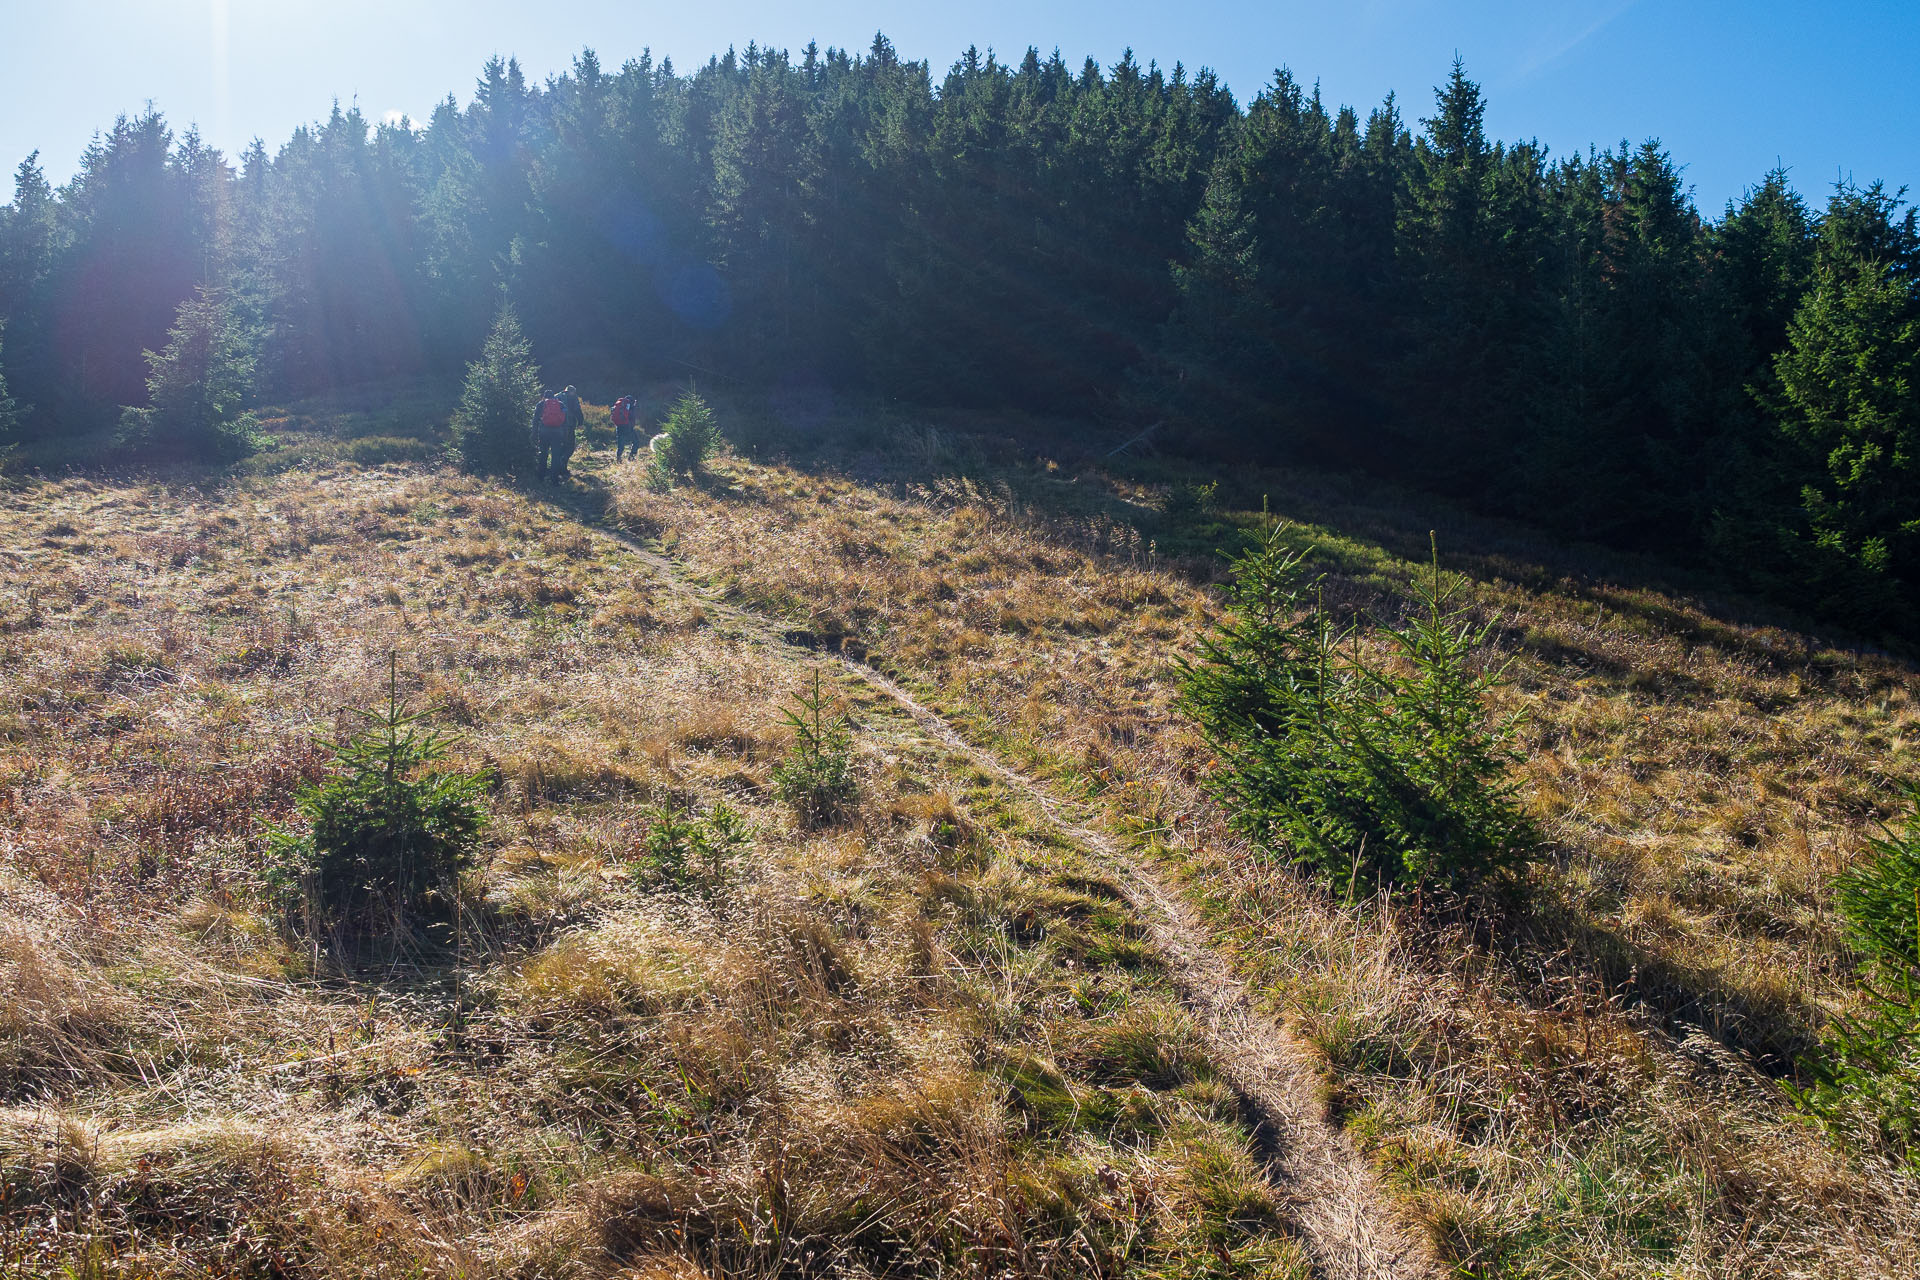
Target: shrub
692,436
388,831
816,778
196,386
492,428
682,850
1347,766
1865,1081
1191,501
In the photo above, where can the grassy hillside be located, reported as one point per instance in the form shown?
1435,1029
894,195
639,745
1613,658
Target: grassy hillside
925,1038
1595,1089
930,1038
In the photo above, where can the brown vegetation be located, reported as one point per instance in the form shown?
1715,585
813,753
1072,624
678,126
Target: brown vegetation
930,1036
924,1039
1590,1087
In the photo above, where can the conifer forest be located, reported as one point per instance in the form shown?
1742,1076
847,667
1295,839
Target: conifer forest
1563,339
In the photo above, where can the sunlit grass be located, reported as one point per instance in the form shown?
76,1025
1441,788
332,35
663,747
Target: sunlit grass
804,1066
1592,1094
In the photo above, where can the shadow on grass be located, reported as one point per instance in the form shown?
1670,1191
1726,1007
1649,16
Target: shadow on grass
1369,540
1563,954
1059,474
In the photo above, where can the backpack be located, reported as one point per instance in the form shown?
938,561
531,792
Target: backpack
623,412
552,412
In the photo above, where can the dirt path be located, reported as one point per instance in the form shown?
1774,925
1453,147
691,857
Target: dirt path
1334,1195
1350,1225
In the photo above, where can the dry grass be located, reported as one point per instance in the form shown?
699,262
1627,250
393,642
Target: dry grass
924,1041
1595,1094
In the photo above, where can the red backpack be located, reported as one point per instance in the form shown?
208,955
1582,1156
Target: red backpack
552,412
623,411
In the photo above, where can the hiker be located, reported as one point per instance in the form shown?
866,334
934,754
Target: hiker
553,436
626,426
576,419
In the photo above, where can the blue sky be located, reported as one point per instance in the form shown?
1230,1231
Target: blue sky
1730,87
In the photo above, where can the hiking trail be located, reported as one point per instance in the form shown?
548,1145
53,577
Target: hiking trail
1349,1224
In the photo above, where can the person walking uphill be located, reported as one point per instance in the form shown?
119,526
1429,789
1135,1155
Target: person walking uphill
553,439
556,421
625,416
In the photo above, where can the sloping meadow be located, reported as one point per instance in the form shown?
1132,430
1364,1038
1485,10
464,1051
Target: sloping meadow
925,1039
1588,1084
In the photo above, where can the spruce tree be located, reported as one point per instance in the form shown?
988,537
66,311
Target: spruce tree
1850,401
689,437
1619,459
1469,235
1760,265
1763,255
492,428
391,828
1364,772
27,250
197,388
1865,1078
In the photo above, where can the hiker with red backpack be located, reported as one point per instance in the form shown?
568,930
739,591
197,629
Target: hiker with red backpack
553,423
626,427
